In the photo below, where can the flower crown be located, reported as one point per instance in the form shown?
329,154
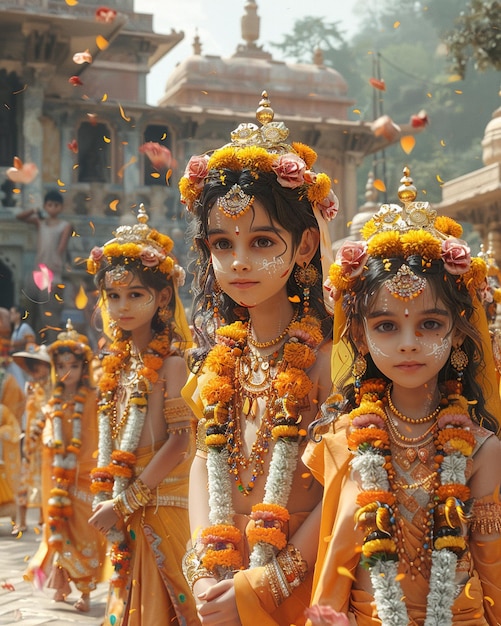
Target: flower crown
263,150
73,341
415,233
138,242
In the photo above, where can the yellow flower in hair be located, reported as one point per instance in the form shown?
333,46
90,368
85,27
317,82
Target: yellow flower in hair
338,278
476,275
236,331
422,243
320,188
308,155
448,226
385,245
162,240
188,190
368,229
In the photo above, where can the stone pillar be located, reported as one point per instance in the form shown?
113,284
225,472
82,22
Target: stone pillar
32,131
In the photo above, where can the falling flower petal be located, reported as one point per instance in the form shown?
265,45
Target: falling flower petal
113,204
81,299
164,136
344,571
407,143
378,83
20,172
379,185
106,139
168,174
420,119
73,146
160,156
60,182
385,127
82,57
122,113
43,278
101,42
438,177
75,81
72,3
105,97
105,15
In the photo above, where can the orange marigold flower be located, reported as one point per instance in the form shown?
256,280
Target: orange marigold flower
422,243
227,558
319,189
384,245
308,155
378,545
260,511
299,355
220,360
218,389
374,436
293,382
368,497
461,492
273,536
368,229
236,331
448,226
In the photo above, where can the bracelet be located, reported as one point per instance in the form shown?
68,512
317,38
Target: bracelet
279,586
193,569
292,565
136,496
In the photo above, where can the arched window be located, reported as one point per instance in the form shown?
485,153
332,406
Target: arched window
157,134
94,153
11,101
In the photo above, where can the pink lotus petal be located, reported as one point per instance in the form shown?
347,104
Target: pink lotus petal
25,174
43,278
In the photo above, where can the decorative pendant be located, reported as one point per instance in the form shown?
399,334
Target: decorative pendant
423,455
411,454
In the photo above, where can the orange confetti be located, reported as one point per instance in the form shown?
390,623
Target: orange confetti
454,78
168,174
407,143
344,571
302,432
379,185
439,179
396,24
106,139
442,143
113,204
72,3
58,297
489,600
122,113
356,111
295,299
105,97
305,475
155,175
467,591
399,577
101,42
458,91
91,224
164,136
81,299
60,182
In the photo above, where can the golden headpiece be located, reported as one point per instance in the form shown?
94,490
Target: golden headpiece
72,341
136,243
414,233
260,149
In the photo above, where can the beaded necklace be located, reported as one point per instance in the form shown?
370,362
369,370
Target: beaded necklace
378,508
284,391
64,461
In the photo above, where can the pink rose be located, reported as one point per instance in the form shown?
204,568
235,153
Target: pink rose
290,170
329,206
352,257
196,169
310,178
150,257
326,616
96,254
456,256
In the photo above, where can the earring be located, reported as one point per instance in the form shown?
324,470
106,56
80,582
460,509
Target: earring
459,361
358,369
306,277
215,299
113,328
164,314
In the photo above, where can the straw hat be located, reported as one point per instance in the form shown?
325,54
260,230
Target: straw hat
34,352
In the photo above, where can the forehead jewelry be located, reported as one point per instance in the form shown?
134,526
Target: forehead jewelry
405,285
237,230
235,203
116,276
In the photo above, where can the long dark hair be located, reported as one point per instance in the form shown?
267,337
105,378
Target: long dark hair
287,207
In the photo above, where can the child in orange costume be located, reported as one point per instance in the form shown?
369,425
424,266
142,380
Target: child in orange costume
146,430
407,451
70,551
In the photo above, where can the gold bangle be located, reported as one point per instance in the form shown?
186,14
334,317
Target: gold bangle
193,569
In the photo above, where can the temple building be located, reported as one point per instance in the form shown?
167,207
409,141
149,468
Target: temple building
73,93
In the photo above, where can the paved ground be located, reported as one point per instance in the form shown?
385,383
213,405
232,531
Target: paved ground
20,603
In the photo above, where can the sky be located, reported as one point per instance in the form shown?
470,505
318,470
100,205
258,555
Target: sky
217,23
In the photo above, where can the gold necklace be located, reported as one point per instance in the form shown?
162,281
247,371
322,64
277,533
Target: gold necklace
410,420
271,342
402,440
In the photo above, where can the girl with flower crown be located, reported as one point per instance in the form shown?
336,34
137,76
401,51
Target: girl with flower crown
70,550
260,371
146,430
407,451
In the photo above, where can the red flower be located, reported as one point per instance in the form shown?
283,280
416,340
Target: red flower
329,206
105,15
378,83
290,170
456,256
73,146
419,120
75,81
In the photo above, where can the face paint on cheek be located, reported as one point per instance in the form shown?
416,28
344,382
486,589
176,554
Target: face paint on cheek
373,348
271,267
438,350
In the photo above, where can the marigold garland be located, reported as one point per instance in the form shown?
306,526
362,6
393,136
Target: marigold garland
453,437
